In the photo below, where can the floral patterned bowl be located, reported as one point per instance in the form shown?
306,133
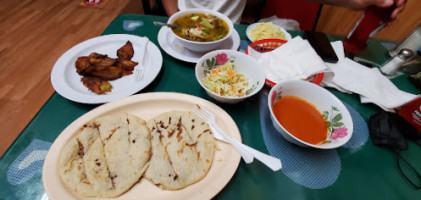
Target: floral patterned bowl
242,63
338,119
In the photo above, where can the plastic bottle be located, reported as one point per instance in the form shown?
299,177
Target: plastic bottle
373,20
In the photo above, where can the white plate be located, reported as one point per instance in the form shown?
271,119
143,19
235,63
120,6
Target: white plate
146,106
287,35
172,47
66,81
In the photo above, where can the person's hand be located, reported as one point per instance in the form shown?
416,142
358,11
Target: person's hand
400,5
363,4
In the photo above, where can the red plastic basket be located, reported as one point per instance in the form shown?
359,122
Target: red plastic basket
267,45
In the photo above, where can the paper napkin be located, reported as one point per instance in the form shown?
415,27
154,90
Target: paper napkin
369,83
295,59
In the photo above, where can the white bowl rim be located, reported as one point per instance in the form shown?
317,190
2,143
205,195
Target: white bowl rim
256,90
203,10
326,92
287,35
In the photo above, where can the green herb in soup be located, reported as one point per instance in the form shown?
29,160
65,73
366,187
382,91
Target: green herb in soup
201,27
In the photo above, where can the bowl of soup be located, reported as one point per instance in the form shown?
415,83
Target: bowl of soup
308,115
201,30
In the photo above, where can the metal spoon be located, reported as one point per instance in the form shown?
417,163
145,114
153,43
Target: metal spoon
164,24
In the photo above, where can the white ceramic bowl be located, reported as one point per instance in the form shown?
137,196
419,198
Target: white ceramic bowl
287,35
201,46
242,63
324,101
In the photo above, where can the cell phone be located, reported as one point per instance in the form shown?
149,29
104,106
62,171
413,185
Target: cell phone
321,45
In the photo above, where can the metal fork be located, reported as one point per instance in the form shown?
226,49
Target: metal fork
272,162
164,24
210,119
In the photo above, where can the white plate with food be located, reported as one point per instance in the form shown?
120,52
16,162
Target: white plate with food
68,82
146,106
174,48
266,30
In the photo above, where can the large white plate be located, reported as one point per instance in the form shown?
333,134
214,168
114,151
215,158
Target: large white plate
287,35
66,81
148,105
172,47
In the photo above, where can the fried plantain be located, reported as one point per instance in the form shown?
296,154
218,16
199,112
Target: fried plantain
97,59
83,66
108,72
125,73
126,51
97,68
97,85
127,65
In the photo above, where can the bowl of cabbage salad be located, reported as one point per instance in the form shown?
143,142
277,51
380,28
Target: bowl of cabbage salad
229,76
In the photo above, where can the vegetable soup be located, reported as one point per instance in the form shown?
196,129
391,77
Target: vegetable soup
201,27
301,119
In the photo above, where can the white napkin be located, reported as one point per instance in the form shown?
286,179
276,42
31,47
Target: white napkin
369,83
295,59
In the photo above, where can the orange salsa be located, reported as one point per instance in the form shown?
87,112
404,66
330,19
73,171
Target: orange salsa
301,119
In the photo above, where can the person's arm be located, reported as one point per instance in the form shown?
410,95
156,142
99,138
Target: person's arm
363,4
170,6
356,4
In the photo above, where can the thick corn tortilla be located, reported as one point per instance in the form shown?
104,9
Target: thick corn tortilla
182,149
107,156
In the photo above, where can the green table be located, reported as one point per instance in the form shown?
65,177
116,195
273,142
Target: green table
366,173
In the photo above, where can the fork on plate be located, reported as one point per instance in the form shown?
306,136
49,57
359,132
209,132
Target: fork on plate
247,153
140,70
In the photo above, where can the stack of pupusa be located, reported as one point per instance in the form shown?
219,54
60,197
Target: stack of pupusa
110,154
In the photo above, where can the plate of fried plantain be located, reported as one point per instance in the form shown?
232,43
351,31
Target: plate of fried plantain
106,68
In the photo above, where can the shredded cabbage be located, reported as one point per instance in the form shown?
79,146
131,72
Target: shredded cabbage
226,81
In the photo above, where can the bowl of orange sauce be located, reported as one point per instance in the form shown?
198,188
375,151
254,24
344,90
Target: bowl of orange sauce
309,115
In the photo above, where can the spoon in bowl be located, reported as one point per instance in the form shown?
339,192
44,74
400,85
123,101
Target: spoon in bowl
164,24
